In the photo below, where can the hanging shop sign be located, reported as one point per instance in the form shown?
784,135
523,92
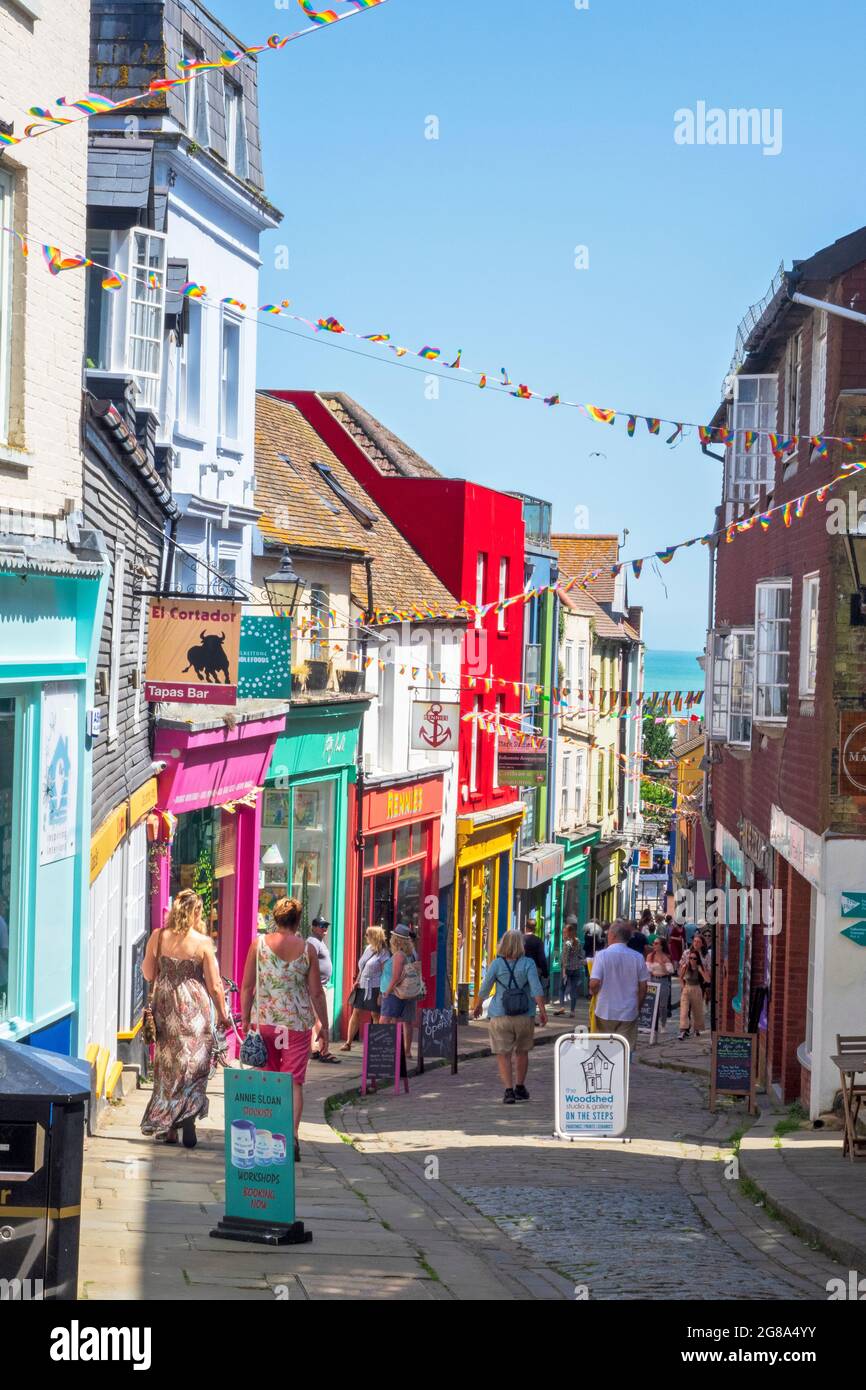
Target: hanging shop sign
415,801
591,1085
435,726
193,650
645,857
519,766
852,753
265,659
58,785
259,1160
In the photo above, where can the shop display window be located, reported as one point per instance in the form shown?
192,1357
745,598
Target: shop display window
395,864
297,848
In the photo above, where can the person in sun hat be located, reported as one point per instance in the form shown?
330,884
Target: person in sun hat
402,984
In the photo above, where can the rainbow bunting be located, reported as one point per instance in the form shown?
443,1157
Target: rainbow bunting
819,445
193,291
400,351
523,393
270,309
483,381
630,426
653,424
318,16
234,303
551,400
672,439
429,353
799,507
705,434
765,518
749,437
56,261
455,365
637,566
113,282
376,337
153,280
506,379
600,416
330,324
667,554
786,513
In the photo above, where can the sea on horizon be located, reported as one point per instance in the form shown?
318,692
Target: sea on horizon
664,670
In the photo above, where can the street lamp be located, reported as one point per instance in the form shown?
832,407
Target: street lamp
284,586
855,545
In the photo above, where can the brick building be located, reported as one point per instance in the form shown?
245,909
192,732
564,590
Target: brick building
787,677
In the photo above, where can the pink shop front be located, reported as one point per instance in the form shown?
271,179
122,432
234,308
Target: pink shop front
205,830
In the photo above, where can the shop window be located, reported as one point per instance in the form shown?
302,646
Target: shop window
772,627
529,797
402,848
410,878
7,831
297,851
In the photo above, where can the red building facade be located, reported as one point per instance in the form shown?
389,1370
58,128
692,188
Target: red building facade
787,678
472,537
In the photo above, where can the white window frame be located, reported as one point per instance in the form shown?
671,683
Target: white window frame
237,157
568,667
500,710
319,609
565,791
793,378
226,435
764,630
116,640
152,302
719,701
196,103
818,392
197,317
7,243
582,652
809,617
502,615
742,691
480,584
580,786
746,471
473,745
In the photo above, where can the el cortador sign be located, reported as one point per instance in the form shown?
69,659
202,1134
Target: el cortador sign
192,651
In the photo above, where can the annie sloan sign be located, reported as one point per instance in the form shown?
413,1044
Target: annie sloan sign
259,1160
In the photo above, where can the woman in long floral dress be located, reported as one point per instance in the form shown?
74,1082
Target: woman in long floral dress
180,960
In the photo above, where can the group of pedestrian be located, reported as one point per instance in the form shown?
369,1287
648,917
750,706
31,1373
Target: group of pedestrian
670,948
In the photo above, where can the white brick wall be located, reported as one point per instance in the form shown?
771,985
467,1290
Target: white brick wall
41,60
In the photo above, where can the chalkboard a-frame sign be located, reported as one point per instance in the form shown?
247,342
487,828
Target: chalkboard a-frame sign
384,1059
437,1037
733,1067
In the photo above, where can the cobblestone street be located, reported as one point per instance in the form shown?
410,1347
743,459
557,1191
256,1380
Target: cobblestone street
656,1218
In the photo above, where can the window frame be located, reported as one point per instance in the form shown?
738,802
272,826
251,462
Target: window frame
809,629
196,315
196,102
763,586
502,614
793,384
149,383
580,786
743,477
473,746
746,709
236,129
565,799
7,303
233,322
480,584
498,713
818,382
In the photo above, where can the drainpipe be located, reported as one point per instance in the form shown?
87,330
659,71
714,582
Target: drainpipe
359,781
809,303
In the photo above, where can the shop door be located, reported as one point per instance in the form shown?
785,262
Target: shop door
103,954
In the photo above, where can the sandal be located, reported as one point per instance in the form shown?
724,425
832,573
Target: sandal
170,1138
347,1047
330,1058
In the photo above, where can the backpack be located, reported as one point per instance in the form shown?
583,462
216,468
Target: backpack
515,999
411,984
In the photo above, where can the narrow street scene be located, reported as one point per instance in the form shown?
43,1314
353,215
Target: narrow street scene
432,821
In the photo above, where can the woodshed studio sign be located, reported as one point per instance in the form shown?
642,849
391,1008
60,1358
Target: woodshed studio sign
193,648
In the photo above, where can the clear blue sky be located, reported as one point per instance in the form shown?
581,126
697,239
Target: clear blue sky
556,130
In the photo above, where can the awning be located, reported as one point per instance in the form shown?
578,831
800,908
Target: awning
538,865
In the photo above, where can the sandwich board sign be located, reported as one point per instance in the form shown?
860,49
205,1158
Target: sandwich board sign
591,1086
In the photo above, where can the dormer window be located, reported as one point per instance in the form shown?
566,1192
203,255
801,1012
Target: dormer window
196,99
236,129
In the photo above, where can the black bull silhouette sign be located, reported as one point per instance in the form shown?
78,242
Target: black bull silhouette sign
193,652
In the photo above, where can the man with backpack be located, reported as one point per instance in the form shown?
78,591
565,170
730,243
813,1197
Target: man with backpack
514,976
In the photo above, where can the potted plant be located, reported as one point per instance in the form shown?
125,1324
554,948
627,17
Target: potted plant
301,676
350,681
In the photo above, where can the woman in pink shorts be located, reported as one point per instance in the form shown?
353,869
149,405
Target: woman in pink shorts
282,985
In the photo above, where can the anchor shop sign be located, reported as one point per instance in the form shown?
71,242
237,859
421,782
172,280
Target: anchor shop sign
193,647
435,726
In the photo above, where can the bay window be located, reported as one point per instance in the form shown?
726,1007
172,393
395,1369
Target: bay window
742,667
772,629
720,685
146,313
753,408
809,635
7,244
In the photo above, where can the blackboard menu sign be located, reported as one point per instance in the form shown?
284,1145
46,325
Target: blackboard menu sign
437,1037
733,1067
654,1009
384,1058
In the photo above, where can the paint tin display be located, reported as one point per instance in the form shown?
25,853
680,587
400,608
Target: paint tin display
243,1136
278,1153
264,1146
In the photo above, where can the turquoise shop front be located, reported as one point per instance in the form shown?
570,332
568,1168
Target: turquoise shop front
571,892
51,606
305,817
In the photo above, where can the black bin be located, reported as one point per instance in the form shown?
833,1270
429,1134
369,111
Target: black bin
43,1099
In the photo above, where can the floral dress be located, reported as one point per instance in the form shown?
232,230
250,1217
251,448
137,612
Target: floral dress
282,991
183,1056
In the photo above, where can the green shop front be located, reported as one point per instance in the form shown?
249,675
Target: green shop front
305,818
571,891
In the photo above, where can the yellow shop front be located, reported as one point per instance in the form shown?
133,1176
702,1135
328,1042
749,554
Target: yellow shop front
484,874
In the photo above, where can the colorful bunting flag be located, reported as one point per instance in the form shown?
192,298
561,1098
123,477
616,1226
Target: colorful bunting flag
455,365
599,415
56,261
193,291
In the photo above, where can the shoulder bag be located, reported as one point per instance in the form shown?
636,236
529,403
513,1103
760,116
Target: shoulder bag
253,1050
148,1022
411,985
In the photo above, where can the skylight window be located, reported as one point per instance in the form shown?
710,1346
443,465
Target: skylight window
362,514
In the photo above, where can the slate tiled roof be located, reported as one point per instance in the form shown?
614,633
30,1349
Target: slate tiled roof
299,509
119,176
580,554
389,453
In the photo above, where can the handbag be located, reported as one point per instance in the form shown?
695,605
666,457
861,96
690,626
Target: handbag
148,1022
411,985
253,1050
515,999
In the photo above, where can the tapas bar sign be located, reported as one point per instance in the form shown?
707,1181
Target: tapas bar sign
193,648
